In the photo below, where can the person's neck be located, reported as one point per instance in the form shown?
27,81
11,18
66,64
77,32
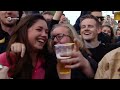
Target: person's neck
7,29
91,44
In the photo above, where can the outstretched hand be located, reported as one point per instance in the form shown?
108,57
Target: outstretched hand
3,72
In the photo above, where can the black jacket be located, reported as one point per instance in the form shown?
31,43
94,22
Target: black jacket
6,36
104,38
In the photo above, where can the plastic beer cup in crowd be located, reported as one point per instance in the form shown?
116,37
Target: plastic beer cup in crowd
61,49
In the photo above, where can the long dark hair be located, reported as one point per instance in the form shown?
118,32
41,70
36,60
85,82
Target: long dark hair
23,66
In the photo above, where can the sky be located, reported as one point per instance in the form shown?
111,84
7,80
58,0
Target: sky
73,15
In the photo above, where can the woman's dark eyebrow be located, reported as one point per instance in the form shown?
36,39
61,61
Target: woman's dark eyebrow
41,27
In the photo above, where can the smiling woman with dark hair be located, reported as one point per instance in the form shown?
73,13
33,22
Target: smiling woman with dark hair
32,31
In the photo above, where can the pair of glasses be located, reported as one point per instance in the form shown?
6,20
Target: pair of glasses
101,18
59,36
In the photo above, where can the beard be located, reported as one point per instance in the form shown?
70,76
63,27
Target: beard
8,24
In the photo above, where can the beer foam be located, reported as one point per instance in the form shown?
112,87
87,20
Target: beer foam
66,44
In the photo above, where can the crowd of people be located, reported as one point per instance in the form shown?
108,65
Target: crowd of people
27,45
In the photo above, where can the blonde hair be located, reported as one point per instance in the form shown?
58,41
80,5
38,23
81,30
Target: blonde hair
72,33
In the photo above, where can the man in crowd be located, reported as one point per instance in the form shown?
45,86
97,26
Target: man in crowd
89,30
8,20
104,38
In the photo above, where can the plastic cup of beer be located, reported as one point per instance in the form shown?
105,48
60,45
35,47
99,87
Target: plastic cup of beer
60,50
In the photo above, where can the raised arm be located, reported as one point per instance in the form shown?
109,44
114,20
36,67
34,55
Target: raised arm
57,15
55,20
